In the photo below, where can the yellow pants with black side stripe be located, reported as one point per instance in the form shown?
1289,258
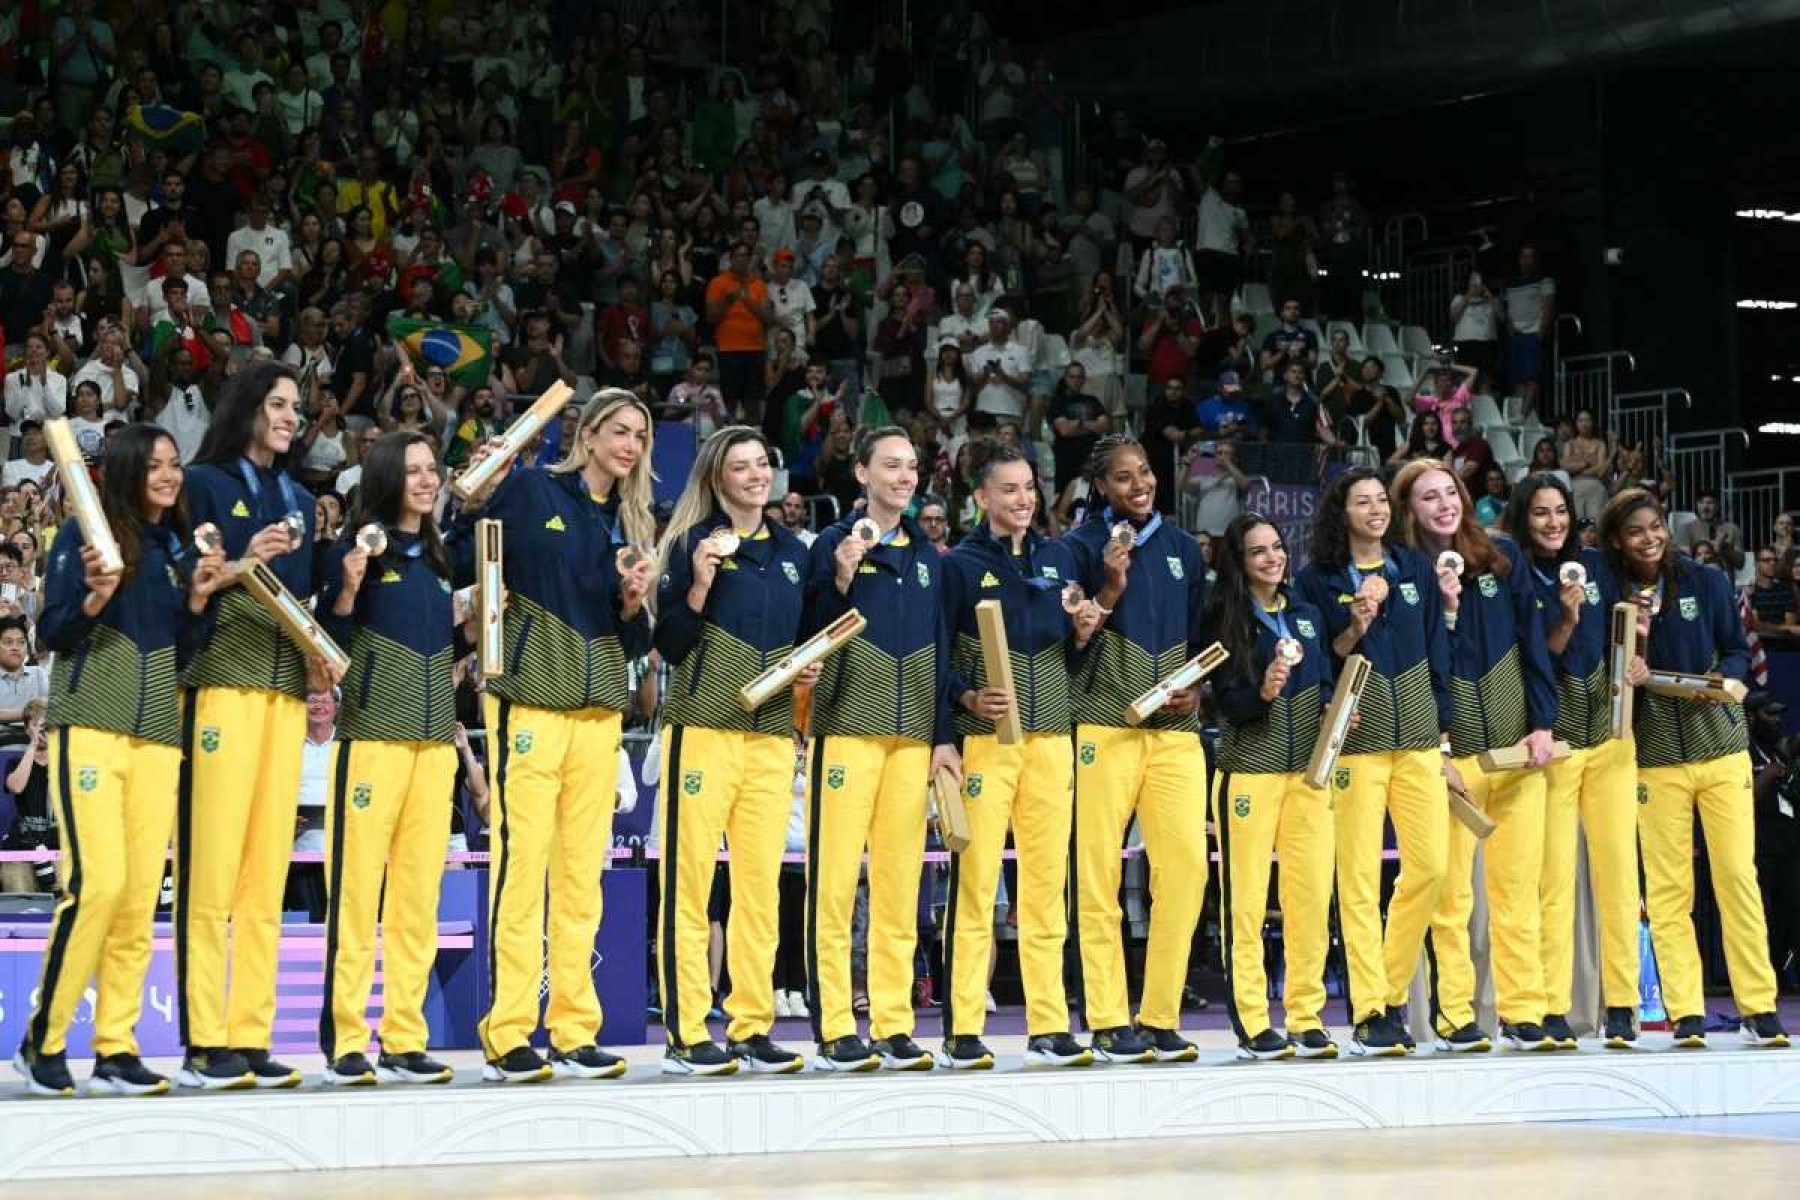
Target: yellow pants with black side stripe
1720,789
865,792
234,835
1160,777
1257,815
1591,793
1407,785
554,779
1512,864
115,798
386,825
1027,786
741,785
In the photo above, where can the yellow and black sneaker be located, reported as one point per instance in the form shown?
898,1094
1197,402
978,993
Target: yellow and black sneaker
587,1062
846,1054
1057,1050
1763,1030
758,1054
415,1066
1690,1033
700,1058
1314,1043
966,1053
350,1070
267,1072
214,1070
1168,1046
1556,1026
1122,1044
901,1053
1621,1029
1377,1037
126,1075
521,1064
45,1074
1396,1019
1266,1046
1467,1040
1526,1035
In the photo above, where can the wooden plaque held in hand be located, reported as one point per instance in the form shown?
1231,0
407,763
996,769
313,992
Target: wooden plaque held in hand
1334,730
1473,819
990,618
1623,650
83,501
952,813
295,619
1510,758
479,478
1187,675
490,597
1690,686
817,648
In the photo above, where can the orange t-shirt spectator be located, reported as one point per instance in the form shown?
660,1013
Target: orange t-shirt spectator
737,304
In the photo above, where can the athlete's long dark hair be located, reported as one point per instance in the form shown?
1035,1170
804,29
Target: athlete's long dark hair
233,428
382,492
1330,544
1518,516
1231,609
124,473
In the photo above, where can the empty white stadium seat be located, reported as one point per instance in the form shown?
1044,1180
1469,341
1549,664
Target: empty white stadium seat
1257,299
1396,372
1414,340
1486,412
1378,338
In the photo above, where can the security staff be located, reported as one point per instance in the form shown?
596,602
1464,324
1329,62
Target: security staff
1149,580
728,608
1505,696
1590,793
388,817
881,729
1692,754
114,743
577,569
1380,599
244,725
1271,694
1026,785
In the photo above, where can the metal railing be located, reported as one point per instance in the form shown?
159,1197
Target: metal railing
1432,278
1589,380
1753,499
1699,463
1642,418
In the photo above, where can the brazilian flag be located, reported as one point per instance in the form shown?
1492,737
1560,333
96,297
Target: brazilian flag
158,126
465,352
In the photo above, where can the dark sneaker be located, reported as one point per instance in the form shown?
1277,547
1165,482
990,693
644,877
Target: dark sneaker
846,1054
1057,1050
126,1075
1526,1035
901,1053
587,1062
45,1074
412,1067
1314,1043
521,1064
758,1054
1266,1045
1377,1037
1764,1030
214,1070
1122,1044
1690,1033
267,1072
701,1058
352,1070
966,1053
1168,1046
1396,1019
1467,1040
1621,1030
1556,1028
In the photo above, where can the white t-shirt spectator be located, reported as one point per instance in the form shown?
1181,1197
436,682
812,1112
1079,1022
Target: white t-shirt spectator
1525,303
199,299
102,377
1217,493
37,397
271,246
1223,226
347,479
316,759
791,301
18,470
1165,267
185,418
1143,217
240,87
972,328
89,435
1475,319
997,396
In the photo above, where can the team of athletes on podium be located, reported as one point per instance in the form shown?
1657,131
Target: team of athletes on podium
177,710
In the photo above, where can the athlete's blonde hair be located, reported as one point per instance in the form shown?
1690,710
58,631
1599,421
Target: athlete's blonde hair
701,496
636,489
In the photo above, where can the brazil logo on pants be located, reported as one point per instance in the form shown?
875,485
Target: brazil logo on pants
834,777
88,778
973,786
1341,778
209,738
362,795
1087,754
522,742
1643,793
1241,806
690,783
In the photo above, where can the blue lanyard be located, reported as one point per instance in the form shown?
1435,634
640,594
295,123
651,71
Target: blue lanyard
289,502
1144,534
1356,576
1276,622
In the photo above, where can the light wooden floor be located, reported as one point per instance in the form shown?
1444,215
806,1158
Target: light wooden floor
1753,1157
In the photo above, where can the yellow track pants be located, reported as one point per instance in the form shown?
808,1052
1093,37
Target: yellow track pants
1591,793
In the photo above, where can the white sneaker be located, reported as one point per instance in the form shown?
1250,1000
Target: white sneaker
991,1005
797,1006
782,1008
